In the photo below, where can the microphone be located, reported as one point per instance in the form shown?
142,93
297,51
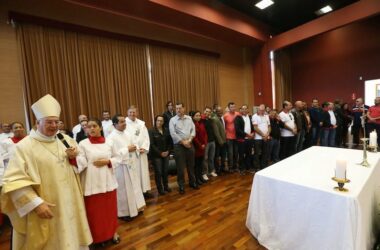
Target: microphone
62,139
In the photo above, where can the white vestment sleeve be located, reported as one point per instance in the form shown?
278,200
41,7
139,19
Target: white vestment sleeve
145,141
81,158
28,207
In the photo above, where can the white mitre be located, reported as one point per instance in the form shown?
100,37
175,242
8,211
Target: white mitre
46,106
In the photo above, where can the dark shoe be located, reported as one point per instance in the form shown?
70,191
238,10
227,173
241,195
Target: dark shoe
126,218
194,186
168,189
161,192
199,182
181,190
148,195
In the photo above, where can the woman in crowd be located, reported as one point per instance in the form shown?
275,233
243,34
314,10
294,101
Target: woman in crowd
63,130
200,141
7,146
160,146
99,184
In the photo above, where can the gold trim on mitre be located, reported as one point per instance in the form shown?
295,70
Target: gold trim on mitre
46,106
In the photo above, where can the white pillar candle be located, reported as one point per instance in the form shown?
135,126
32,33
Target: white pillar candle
373,139
340,170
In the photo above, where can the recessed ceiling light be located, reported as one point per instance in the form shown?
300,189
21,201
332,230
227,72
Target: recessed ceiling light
324,10
264,4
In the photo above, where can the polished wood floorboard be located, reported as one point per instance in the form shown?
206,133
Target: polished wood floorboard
210,218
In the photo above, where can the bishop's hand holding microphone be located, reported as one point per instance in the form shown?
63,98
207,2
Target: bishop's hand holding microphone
71,152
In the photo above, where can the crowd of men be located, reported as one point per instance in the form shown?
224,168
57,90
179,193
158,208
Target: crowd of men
243,142
207,143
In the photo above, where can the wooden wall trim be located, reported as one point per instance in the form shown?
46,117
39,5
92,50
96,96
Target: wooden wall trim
25,18
352,13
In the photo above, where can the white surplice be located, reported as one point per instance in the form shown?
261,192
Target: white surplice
130,199
95,180
138,133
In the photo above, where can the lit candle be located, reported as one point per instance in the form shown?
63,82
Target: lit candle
373,139
340,170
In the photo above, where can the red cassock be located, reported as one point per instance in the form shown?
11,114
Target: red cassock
101,212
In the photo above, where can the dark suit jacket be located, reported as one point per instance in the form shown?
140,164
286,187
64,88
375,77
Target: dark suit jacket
239,127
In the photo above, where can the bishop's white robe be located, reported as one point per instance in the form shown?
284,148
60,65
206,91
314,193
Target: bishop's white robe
139,135
130,198
40,171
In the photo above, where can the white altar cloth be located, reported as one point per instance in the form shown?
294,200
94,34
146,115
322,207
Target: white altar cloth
293,204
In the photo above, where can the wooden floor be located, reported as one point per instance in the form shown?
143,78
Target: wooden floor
210,218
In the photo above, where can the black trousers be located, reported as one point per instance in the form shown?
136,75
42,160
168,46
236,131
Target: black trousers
286,147
184,157
198,167
355,130
261,154
338,136
161,172
220,156
245,154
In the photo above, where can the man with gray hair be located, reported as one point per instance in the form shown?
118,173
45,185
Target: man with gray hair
261,124
41,191
300,121
288,132
77,128
139,135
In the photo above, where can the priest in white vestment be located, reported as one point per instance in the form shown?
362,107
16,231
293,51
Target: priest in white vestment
107,123
41,190
7,133
139,135
130,199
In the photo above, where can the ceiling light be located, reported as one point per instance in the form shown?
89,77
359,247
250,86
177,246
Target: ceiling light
324,10
264,4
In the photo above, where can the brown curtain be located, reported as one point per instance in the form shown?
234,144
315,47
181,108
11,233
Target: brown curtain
86,74
183,76
283,77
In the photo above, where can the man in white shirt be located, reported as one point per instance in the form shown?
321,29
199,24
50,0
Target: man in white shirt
107,123
244,137
7,133
77,128
261,124
329,124
288,132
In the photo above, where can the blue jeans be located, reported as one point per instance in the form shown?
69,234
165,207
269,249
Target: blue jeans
315,131
232,152
328,137
208,165
274,150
